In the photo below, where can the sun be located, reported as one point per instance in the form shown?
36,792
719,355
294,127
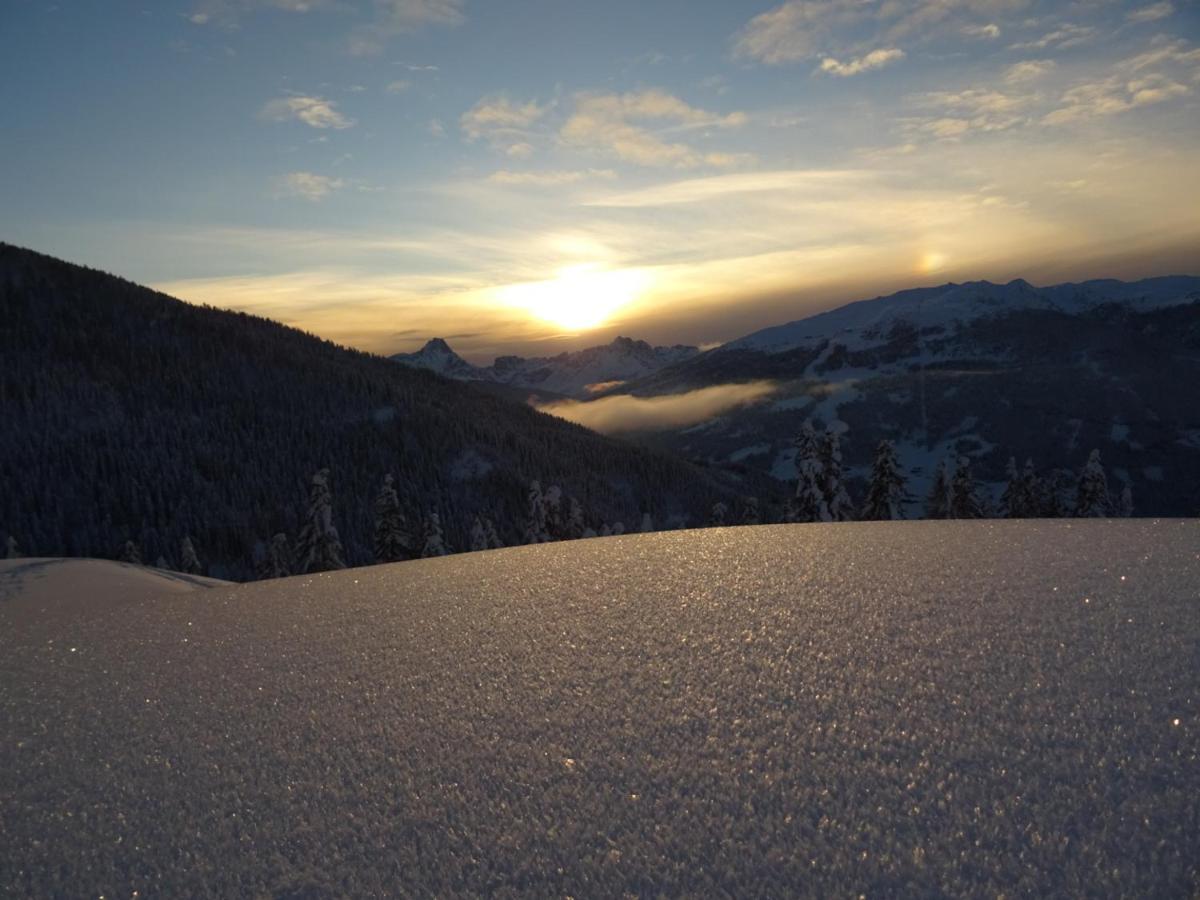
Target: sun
579,297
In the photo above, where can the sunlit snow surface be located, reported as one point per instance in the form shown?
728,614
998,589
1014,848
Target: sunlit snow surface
923,708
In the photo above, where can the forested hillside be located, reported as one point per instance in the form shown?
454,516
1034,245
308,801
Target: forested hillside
130,416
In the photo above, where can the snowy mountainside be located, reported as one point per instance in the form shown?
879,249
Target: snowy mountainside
976,370
573,374
917,709
132,416
869,322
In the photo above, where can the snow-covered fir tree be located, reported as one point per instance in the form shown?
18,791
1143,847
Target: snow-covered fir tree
161,563
434,543
393,541
11,549
719,515
1091,495
1054,495
606,530
885,491
937,504
555,514
493,537
1030,496
837,501
189,562
808,501
318,548
964,497
131,553
575,526
1126,504
647,523
276,561
751,515
535,524
479,535
1010,500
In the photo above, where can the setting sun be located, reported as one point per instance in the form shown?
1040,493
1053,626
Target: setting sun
580,297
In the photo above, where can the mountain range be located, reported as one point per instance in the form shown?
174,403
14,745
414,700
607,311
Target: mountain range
977,370
580,374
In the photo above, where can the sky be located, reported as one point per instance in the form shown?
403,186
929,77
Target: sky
528,176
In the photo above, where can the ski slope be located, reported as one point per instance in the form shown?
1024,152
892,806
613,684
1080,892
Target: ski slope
926,708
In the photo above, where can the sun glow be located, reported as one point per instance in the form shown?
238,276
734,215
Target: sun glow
579,297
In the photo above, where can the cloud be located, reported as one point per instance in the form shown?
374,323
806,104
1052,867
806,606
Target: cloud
626,412
987,32
396,17
398,87
436,128
876,59
548,178
796,31
1067,35
700,190
1151,13
605,122
315,112
1029,70
503,123
307,185
974,109
1112,96
227,12
1147,79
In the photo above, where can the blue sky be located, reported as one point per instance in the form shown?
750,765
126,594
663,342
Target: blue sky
530,175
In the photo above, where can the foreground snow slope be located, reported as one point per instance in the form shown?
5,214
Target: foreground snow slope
917,708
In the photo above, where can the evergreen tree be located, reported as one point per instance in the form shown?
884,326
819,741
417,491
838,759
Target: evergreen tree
535,525
719,514
161,563
808,503
1032,502
555,517
434,543
130,553
276,561
479,536
1126,508
750,512
393,542
1091,495
1055,489
576,527
885,492
318,548
937,505
647,523
837,501
188,561
11,549
964,499
493,538
1011,505
618,528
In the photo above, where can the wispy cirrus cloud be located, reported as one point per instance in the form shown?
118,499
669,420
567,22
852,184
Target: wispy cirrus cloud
1029,70
396,17
988,32
503,123
876,59
228,12
307,186
615,124
1061,38
1151,13
316,112
549,178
